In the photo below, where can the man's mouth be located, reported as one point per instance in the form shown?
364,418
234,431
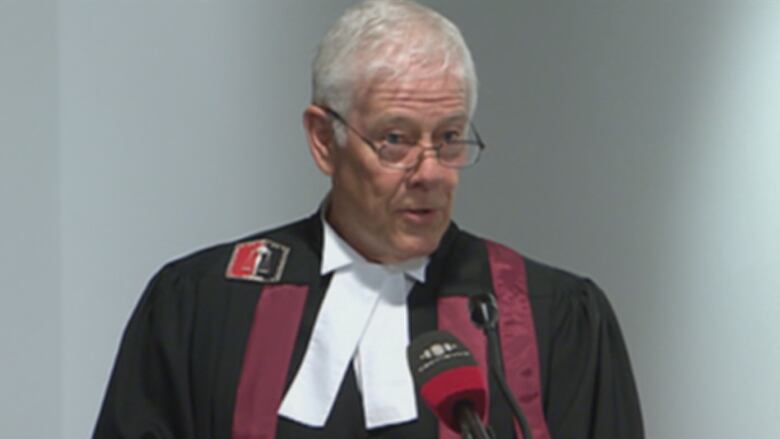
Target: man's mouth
420,215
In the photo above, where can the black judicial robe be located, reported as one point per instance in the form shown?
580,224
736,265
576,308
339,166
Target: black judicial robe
179,363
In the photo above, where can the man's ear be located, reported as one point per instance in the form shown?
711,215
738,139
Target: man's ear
322,142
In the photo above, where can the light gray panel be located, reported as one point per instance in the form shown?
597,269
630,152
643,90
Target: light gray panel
30,357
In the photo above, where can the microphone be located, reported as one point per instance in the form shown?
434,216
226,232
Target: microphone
484,311
450,382
484,315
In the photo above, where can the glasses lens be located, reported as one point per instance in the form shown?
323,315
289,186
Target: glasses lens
397,154
459,154
454,154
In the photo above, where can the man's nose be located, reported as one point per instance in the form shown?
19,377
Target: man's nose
428,171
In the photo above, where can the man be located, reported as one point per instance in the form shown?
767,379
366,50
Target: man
300,332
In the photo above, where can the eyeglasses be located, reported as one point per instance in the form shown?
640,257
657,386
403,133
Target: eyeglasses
395,151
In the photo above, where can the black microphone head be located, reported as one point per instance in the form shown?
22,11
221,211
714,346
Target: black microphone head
484,310
446,374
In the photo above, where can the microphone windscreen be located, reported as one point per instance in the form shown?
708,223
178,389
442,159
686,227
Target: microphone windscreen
446,374
484,310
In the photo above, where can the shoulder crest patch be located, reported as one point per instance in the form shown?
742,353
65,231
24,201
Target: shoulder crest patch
258,261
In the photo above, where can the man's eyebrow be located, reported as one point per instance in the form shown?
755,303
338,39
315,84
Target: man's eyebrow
393,119
455,118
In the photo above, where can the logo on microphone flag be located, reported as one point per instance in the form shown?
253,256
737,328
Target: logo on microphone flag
258,261
437,350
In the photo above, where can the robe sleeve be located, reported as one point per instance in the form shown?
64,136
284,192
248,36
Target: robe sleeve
590,392
148,394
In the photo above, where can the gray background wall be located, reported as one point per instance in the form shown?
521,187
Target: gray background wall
637,142
30,294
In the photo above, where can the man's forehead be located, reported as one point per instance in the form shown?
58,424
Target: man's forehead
442,88
402,119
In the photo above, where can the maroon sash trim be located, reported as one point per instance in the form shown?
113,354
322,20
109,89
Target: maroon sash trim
453,317
266,360
518,336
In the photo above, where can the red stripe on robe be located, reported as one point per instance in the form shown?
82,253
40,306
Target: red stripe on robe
518,336
266,360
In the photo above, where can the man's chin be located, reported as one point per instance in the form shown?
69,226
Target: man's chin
410,247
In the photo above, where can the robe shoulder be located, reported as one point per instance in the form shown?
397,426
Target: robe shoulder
588,382
172,363
588,387
210,264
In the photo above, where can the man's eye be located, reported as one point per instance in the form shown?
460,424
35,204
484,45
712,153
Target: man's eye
395,139
451,136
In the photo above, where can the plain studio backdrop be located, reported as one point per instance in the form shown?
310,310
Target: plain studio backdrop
637,142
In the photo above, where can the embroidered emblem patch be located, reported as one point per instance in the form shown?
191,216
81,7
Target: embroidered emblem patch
259,261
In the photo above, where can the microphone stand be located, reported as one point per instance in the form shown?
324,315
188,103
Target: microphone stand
484,314
470,425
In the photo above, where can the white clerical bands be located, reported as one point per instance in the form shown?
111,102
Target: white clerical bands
363,320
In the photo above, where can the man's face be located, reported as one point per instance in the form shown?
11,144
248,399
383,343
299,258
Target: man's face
386,214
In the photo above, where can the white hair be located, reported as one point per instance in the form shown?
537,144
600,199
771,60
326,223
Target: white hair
384,38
